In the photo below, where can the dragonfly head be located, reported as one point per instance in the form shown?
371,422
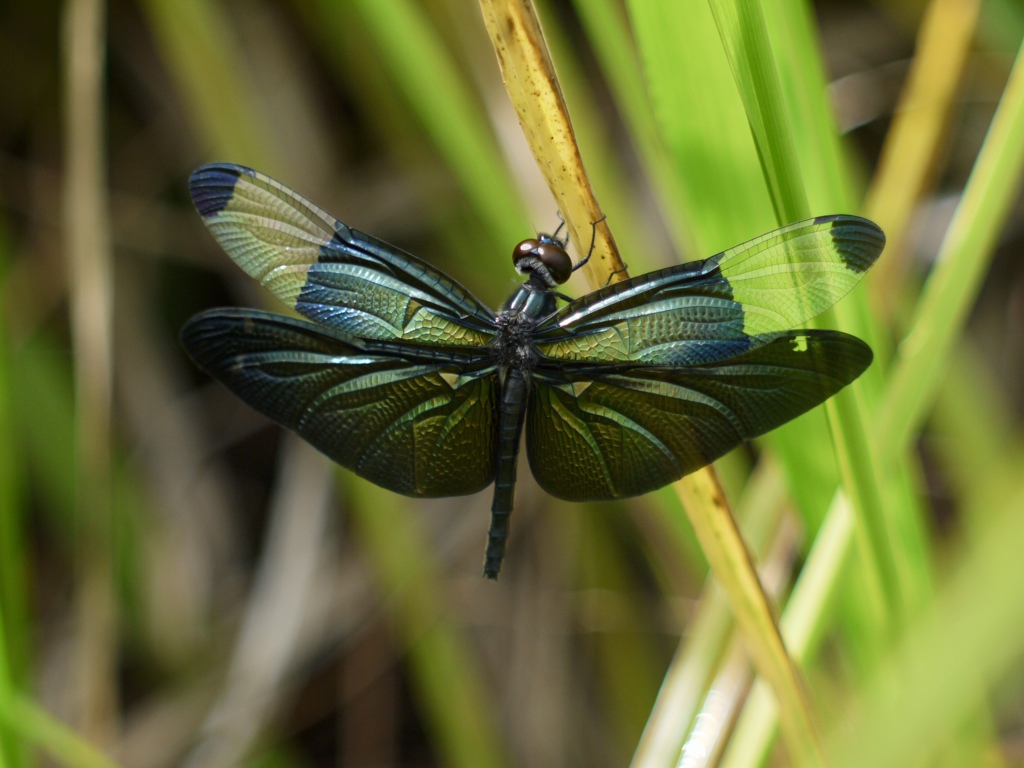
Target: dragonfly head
543,256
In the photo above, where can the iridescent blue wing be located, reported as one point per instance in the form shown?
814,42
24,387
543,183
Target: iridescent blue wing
715,309
329,272
604,432
416,419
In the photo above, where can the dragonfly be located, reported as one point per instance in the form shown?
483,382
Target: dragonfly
399,374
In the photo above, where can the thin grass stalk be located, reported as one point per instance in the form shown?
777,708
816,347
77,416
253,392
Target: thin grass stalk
963,259
916,141
532,85
732,564
686,681
15,621
267,642
803,624
607,166
717,717
90,285
728,693
10,741
708,634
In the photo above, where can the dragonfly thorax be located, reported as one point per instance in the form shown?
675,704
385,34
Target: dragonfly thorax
513,344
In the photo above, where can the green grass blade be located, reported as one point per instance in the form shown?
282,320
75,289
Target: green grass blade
825,175
40,729
450,685
701,121
979,449
202,54
626,674
963,259
423,69
744,35
893,531
15,618
608,29
939,677
917,139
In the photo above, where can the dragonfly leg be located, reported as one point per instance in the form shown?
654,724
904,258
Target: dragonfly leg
554,235
593,240
625,268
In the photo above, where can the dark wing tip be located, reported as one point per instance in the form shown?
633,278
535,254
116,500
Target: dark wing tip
212,186
858,240
856,356
837,357
203,335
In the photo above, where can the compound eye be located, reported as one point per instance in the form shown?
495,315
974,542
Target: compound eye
556,260
525,249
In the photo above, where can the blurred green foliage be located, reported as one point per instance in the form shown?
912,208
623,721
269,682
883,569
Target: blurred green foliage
257,614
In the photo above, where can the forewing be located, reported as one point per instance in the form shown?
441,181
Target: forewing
420,425
622,431
329,272
710,310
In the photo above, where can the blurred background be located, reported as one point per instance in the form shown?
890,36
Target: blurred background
182,583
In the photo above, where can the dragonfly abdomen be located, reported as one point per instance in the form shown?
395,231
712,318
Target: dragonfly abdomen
512,414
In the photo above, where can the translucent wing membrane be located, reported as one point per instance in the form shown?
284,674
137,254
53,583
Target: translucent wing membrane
598,433
328,271
710,310
417,421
